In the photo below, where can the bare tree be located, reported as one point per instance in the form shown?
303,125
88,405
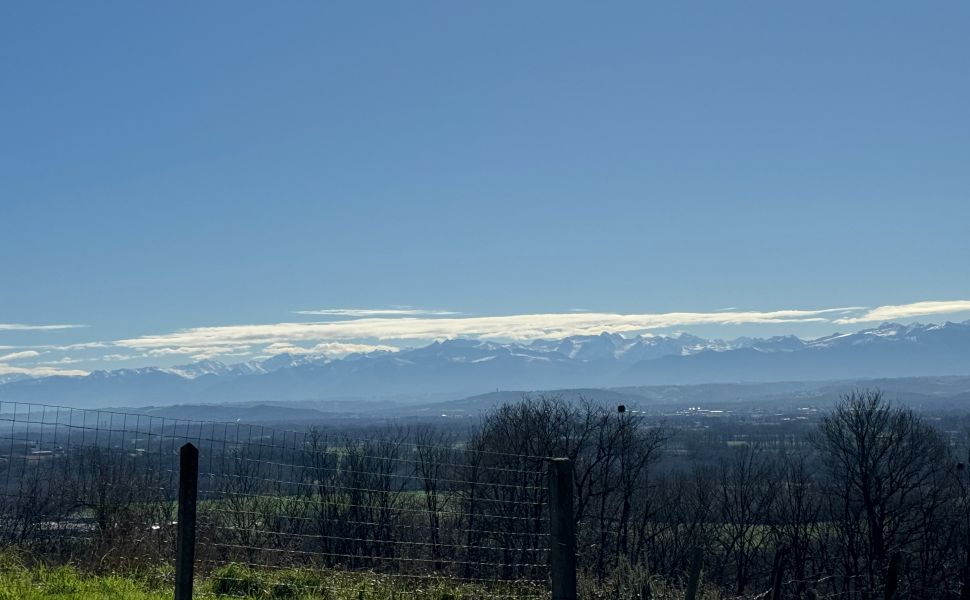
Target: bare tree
434,457
796,519
882,462
746,490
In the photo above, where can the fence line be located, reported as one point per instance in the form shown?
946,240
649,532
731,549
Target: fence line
90,486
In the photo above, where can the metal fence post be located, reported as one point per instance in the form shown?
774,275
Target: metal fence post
185,546
562,530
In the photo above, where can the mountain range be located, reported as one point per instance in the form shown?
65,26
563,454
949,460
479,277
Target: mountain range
458,368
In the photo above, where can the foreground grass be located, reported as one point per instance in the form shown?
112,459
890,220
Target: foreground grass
23,579
20,582
65,583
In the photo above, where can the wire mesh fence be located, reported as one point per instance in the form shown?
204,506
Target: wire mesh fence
88,486
99,488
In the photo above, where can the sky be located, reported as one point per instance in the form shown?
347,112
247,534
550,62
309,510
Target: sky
190,180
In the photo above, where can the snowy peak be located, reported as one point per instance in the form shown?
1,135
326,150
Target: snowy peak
616,347
12,377
200,369
896,333
780,343
605,346
121,374
467,351
280,361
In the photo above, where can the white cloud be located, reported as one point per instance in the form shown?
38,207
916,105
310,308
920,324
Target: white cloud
65,348
19,355
82,346
156,352
40,371
907,311
22,327
516,327
114,357
367,330
332,349
376,312
67,360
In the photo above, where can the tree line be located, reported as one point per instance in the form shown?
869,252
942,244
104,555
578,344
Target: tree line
871,484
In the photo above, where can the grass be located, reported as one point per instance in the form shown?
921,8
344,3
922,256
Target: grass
20,581
65,583
300,584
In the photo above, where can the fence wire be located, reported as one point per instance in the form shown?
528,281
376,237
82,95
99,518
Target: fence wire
414,511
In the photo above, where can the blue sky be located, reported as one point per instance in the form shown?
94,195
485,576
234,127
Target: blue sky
169,167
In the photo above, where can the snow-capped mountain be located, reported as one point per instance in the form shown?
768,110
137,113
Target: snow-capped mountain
12,377
201,369
615,347
207,367
781,343
463,366
889,350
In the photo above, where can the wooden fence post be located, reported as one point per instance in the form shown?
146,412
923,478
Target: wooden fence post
778,572
185,545
694,575
562,530
965,579
892,575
